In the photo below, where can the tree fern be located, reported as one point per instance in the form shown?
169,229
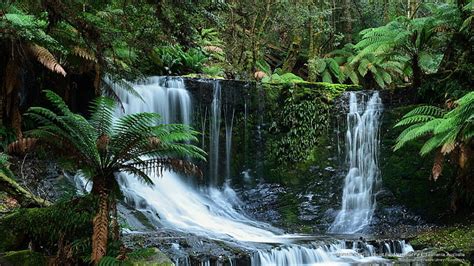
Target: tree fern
446,130
103,146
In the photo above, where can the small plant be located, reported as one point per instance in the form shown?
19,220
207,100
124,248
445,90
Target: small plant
213,71
174,60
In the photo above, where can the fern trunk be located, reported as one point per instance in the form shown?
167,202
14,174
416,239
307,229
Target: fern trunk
464,192
100,223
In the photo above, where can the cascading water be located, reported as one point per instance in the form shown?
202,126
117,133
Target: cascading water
214,133
165,96
228,141
214,213
362,144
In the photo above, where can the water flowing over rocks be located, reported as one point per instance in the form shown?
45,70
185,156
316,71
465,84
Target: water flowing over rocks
220,225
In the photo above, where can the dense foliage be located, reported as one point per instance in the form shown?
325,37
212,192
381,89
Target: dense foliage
449,132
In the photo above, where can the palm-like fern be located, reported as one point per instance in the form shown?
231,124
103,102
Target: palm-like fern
448,132
327,69
446,129
421,39
103,146
347,64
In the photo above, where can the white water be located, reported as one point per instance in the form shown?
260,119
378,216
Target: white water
210,212
214,133
362,145
165,96
228,141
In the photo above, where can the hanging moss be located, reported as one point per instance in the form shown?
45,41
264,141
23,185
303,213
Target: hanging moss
300,123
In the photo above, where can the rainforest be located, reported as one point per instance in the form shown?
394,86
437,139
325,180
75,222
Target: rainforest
224,132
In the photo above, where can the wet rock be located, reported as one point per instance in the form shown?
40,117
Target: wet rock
182,247
330,169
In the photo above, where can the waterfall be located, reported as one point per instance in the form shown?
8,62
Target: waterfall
228,141
176,204
214,133
338,253
362,144
162,95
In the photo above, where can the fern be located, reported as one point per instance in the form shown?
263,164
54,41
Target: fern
444,128
84,53
426,110
418,38
46,58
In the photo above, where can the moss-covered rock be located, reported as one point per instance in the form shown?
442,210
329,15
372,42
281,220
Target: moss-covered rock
298,119
454,238
44,227
23,258
148,257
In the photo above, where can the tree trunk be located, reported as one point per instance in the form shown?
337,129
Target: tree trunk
114,223
100,222
417,72
292,55
348,21
464,184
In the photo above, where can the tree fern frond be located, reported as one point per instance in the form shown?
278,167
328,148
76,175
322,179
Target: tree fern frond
414,119
102,110
426,110
140,174
46,59
84,53
431,144
58,102
326,76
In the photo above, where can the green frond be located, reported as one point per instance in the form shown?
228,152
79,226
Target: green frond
102,110
326,76
378,77
446,124
433,143
58,102
416,131
426,110
466,99
363,67
140,174
414,119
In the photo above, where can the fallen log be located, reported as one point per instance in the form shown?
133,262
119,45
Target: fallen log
24,197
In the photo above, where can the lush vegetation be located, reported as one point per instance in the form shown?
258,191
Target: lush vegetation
301,56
